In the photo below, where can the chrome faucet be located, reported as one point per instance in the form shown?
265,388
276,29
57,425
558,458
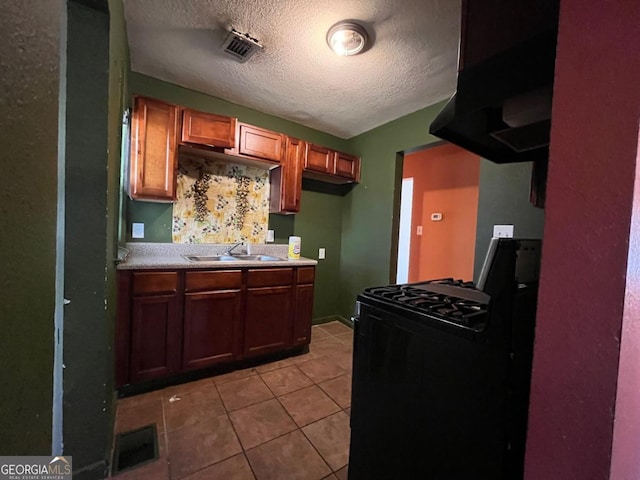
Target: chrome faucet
230,249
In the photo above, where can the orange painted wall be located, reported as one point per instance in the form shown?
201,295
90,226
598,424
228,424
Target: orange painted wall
446,181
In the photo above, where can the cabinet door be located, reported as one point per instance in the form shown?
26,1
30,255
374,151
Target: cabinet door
260,143
154,131
303,314
212,328
268,320
347,166
292,182
318,159
155,337
286,181
207,129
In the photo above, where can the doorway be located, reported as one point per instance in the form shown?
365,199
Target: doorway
404,237
438,211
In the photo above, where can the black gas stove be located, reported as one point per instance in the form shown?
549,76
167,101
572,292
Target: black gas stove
441,372
452,300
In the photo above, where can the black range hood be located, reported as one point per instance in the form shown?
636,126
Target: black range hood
502,106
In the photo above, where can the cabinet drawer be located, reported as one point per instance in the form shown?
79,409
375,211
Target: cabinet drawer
306,274
219,280
270,277
154,282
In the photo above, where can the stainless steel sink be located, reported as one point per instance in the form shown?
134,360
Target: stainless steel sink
233,258
211,258
259,258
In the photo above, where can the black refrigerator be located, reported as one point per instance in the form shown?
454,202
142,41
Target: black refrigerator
441,373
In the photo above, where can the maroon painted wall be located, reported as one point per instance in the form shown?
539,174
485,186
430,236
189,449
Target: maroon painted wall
590,199
625,463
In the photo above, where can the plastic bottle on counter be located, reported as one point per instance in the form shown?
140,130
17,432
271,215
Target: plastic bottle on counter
294,247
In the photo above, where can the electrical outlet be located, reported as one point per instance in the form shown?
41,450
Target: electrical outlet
137,230
503,231
321,253
270,235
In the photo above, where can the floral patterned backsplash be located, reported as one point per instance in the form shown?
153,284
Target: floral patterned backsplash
220,202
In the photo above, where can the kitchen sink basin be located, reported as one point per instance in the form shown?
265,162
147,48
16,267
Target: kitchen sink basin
232,258
211,258
259,258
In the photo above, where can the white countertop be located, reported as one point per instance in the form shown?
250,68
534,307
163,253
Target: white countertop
157,256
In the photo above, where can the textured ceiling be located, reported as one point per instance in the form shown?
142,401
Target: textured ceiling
412,63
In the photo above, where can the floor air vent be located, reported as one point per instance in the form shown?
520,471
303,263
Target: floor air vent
135,448
240,46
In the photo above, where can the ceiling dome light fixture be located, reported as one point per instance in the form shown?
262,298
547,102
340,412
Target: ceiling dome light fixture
347,38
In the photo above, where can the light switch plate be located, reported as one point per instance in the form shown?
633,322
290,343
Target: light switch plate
503,231
321,253
419,230
137,230
270,235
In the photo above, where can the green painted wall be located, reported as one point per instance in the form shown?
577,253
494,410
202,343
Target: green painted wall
364,234
368,210
504,200
318,225
29,125
318,222
90,239
157,216
119,101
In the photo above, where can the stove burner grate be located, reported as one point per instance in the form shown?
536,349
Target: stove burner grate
454,300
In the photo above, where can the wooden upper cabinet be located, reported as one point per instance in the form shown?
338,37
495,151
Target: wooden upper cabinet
154,154
207,129
319,159
286,181
324,164
260,143
347,166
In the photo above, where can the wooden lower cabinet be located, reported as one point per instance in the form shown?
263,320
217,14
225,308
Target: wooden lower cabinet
305,277
155,336
212,328
303,313
267,320
177,321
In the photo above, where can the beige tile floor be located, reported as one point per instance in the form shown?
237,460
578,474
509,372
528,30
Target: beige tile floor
285,420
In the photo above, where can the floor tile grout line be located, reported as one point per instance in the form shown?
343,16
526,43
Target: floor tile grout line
253,472
254,372
297,389
244,406
302,431
315,448
288,433
166,437
226,413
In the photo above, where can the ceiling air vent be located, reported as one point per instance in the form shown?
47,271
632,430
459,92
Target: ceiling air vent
240,46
